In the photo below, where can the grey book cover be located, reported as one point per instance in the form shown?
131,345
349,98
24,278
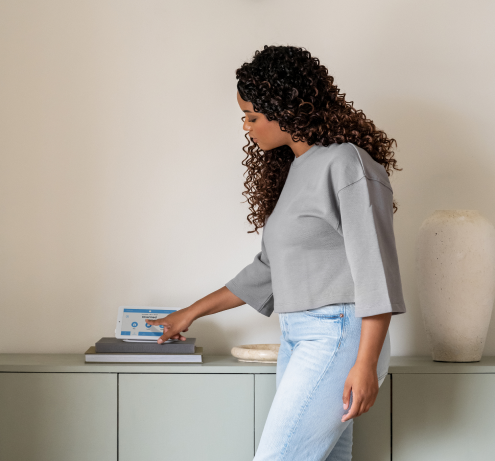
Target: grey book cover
109,345
92,356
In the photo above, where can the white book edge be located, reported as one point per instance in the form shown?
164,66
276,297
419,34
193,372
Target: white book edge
101,357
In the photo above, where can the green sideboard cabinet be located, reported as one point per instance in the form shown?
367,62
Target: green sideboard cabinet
186,416
58,416
55,407
448,416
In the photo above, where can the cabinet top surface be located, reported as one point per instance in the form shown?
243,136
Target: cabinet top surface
74,363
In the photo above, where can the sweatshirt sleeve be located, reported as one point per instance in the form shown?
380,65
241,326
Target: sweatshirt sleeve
366,223
253,284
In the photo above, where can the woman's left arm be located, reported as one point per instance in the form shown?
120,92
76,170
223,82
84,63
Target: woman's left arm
366,225
363,379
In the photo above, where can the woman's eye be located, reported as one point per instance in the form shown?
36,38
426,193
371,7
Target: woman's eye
251,121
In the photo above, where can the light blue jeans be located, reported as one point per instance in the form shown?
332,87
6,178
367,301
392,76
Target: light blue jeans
318,348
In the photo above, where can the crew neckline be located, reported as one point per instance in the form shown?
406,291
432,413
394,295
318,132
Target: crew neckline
299,160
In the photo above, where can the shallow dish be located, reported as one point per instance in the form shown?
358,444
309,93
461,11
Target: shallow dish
266,353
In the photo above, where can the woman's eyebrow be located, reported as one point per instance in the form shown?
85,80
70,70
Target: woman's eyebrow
247,111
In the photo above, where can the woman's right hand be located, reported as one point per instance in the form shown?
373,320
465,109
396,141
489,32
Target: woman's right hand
173,324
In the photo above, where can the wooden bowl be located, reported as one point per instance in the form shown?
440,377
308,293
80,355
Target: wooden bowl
266,353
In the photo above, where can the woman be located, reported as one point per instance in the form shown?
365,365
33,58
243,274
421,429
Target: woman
318,186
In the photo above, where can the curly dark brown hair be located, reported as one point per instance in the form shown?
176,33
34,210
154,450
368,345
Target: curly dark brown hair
287,84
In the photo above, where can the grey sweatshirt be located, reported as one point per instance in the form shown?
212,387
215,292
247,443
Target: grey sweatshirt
329,239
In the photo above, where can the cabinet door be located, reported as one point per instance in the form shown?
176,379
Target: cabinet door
371,432
443,417
58,417
265,388
187,417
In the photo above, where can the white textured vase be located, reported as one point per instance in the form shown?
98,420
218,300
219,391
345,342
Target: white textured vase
455,268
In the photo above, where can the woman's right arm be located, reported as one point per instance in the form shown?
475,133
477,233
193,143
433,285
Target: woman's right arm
179,321
218,301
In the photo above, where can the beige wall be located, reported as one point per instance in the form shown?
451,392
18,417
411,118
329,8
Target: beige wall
121,175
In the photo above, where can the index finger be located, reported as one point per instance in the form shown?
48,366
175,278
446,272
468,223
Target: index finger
355,404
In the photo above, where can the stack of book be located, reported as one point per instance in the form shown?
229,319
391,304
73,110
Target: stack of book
118,350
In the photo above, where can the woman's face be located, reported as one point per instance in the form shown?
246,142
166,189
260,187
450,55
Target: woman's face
267,134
